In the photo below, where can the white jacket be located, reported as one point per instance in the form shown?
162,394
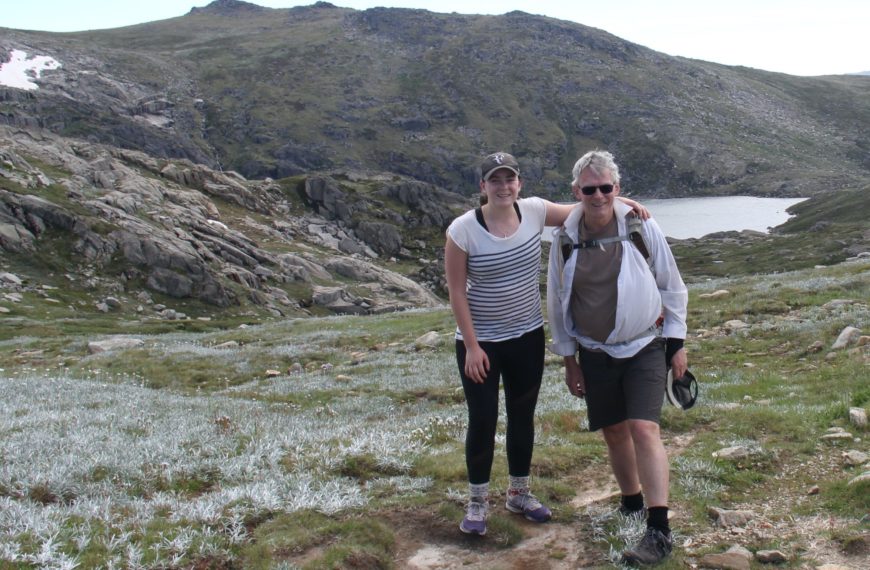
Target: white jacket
641,296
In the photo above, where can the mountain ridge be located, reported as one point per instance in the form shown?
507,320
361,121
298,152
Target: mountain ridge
280,92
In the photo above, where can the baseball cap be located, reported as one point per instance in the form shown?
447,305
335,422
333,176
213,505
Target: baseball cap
498,160
682,392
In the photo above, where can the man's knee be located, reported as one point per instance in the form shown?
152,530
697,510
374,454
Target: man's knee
644,431
617,434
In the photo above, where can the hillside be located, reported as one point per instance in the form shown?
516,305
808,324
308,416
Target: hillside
285,92
337,442
223,339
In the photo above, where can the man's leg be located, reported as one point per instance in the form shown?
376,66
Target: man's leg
652,461
623,457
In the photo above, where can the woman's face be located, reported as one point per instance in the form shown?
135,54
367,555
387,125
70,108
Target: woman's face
503,187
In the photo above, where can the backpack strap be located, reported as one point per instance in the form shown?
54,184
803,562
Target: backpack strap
636,236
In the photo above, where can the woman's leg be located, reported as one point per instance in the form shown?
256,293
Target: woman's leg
522,369
482,402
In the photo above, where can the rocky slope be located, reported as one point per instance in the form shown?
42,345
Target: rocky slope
120,224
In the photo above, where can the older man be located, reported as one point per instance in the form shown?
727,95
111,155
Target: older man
619,319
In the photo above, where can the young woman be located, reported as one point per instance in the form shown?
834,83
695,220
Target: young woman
492,261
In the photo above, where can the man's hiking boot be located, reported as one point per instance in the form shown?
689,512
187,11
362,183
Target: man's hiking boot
654,547
475,517
527,505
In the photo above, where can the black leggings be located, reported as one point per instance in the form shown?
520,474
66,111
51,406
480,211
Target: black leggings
520,363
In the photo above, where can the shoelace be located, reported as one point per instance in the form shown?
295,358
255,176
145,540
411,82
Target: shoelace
656,540
529,502
476,511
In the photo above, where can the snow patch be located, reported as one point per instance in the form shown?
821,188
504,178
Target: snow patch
20,71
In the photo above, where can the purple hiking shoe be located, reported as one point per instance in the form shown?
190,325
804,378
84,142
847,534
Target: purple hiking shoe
475,517
527,505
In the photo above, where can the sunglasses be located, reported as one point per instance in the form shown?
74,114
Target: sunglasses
590,190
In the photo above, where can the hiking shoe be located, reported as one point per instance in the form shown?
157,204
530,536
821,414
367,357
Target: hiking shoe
475,517
651,549
529,506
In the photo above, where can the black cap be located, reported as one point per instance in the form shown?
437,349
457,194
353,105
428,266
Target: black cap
498,160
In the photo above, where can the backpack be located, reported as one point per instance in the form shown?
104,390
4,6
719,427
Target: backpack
635,235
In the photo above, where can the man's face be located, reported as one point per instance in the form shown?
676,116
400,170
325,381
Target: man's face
598,184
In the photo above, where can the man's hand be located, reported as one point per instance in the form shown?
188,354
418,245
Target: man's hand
574,377
679,363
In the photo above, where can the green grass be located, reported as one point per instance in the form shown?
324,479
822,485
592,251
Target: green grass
765,389
355,542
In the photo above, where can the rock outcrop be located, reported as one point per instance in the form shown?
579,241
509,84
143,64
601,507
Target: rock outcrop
183,230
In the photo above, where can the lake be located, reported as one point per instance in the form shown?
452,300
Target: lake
683,218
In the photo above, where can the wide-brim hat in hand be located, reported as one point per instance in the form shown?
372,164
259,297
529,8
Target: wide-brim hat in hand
682,392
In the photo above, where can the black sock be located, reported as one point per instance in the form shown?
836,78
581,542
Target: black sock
657,518
632,503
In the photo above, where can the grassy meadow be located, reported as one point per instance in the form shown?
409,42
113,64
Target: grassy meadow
337,442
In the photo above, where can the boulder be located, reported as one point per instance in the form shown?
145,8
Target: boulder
115,343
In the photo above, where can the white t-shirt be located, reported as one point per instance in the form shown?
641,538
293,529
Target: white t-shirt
503,283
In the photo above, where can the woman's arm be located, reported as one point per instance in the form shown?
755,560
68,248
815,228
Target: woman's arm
456,270
637,207
558,213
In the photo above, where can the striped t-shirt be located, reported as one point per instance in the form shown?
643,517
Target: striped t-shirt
503,273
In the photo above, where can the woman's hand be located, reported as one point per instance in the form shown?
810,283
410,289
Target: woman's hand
476,364
640,210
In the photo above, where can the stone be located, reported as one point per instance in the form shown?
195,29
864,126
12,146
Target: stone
770,557
848,336
272,373
858,417
730,518
725,561
862,478
854,457
115,343
735,325
836,436
732,453
715,294
740,551
429,340
10,278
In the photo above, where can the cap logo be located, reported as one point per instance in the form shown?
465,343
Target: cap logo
499,158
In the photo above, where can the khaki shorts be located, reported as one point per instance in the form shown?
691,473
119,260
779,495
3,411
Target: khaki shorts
619,389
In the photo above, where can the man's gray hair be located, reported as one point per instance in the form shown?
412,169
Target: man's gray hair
598,161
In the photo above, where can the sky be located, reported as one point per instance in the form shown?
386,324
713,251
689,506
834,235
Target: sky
797,37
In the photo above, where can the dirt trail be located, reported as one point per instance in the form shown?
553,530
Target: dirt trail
556,545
